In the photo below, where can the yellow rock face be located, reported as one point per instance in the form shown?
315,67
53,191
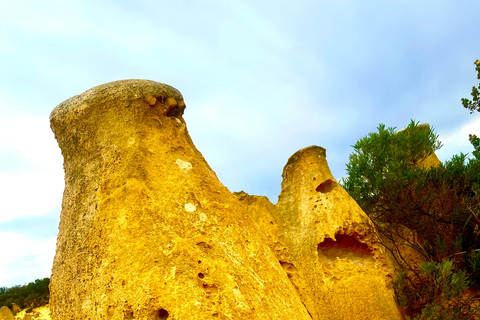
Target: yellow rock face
261,211
430,161
6,313
147,231
333,257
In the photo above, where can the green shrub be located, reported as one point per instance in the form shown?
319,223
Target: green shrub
435,211
32,295
437,294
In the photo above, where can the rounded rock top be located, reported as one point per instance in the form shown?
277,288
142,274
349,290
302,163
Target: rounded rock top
132,89
307,151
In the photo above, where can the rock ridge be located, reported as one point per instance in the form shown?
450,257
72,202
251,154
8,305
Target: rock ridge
147,231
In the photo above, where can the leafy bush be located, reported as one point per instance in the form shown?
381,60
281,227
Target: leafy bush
438,295
385,159
433,210
474,104
32,295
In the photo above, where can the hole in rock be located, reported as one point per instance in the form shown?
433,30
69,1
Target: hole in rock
326,186
288,267
175,111
201,275
163,314
210,288
129,314
204,246
346,247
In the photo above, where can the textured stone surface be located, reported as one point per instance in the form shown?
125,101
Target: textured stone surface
6,313
261,211
39,313
15,308
430,161
333,257
147,231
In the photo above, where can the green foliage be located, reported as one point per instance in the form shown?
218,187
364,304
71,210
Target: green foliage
442,203
437,295
474,104
435,211
475,141
32,295
384,160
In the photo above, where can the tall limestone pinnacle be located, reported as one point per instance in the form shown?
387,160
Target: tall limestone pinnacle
331,252
147,231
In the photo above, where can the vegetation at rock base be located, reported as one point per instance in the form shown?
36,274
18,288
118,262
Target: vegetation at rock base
384,159
32,295
433,211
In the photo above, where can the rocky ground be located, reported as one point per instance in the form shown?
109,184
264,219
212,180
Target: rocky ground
40,313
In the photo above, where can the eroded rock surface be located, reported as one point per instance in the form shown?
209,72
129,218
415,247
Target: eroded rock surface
147,231
15,308
333,257
261,211
6,313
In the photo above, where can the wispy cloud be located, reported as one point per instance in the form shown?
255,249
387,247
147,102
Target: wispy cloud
456,141
31,168
27,259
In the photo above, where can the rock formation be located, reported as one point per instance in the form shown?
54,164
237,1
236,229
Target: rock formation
15,308
430,159
261,211
147,231
6,313
332,254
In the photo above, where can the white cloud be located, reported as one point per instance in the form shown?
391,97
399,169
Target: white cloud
456,141
44,18
35,188
25,258
27,194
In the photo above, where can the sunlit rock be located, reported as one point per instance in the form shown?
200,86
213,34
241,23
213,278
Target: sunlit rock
333,256
147,231
6,313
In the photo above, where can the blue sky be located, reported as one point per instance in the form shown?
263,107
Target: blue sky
261,79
